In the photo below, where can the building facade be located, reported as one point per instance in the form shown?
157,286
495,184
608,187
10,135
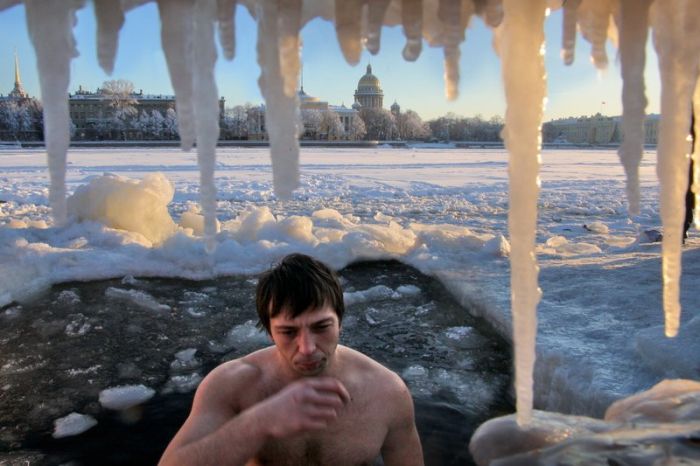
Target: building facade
307,105
596,130
94,113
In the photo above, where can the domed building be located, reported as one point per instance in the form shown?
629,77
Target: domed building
369,91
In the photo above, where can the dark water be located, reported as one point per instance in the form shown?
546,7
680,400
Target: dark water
59,352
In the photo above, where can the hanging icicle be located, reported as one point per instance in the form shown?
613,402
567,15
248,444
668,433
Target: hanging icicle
375,19
282,115
568,36
490,10
633,38
348,16
226,14
695,187
521,46
50,26
594,21
450,14
206,112
412,20
176,37
289,44
676,26
110,19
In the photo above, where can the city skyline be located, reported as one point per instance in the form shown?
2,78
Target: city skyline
575,90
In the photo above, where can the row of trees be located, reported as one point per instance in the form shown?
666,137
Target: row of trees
21,119
455,128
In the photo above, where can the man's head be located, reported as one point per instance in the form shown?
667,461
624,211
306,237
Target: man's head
297,284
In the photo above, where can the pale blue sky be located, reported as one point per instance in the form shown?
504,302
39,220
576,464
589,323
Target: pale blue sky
575,90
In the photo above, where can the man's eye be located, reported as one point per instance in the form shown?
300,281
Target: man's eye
287,332
322,328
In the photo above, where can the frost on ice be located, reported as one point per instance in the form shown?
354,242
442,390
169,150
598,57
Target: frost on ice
187,31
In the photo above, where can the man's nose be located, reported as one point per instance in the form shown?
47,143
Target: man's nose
307,345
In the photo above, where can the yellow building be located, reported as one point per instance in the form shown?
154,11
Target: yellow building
596,130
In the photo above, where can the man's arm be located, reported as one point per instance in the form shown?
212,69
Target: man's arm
402,444
215,433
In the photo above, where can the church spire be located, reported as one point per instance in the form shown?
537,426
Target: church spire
18,91
18,81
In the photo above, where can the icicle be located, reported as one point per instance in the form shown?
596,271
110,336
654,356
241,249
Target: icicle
568,39
521,47
490,10
110,19
206,111
412,19
449,13
4,4
282,115
696,156
376,10
348,17
50,26
289,43
676,39
176,37
226,12
633,39
594,19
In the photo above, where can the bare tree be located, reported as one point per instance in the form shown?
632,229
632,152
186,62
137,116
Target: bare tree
311,120
411,126
120,93
379,123
357,128
331,125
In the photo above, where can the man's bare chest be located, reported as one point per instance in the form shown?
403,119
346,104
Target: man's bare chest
355,438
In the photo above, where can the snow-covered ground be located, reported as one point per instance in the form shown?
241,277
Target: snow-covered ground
441,210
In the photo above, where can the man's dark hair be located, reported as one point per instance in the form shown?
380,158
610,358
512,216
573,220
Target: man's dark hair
297,284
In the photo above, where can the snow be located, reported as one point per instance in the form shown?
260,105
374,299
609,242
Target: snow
443,211
125,396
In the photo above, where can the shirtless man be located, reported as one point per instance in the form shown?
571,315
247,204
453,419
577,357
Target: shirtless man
304,401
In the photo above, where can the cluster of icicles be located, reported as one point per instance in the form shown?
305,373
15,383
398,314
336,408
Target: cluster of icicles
188,29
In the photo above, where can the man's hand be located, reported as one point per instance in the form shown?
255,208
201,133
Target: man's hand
307,404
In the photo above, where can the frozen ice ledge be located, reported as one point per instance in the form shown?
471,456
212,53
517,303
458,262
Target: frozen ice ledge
188,30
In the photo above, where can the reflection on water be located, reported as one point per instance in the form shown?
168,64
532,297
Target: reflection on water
58,353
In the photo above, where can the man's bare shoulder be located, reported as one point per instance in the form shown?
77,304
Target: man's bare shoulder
360,366
233,380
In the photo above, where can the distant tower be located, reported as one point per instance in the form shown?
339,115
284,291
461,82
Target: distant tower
369,91
395,109
18,92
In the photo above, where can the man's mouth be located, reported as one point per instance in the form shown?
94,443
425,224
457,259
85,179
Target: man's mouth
309,365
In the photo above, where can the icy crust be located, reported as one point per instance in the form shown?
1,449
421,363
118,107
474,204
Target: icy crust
659,426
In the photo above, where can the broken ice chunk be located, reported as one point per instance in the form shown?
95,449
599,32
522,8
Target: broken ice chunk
125,396
73,424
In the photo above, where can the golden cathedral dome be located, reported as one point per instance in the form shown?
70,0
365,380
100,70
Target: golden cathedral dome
369,82
369,91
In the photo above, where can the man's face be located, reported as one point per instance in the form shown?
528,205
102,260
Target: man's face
307,342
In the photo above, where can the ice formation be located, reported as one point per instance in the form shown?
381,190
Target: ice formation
188,43
125,396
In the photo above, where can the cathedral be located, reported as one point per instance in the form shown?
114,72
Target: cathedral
369,93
